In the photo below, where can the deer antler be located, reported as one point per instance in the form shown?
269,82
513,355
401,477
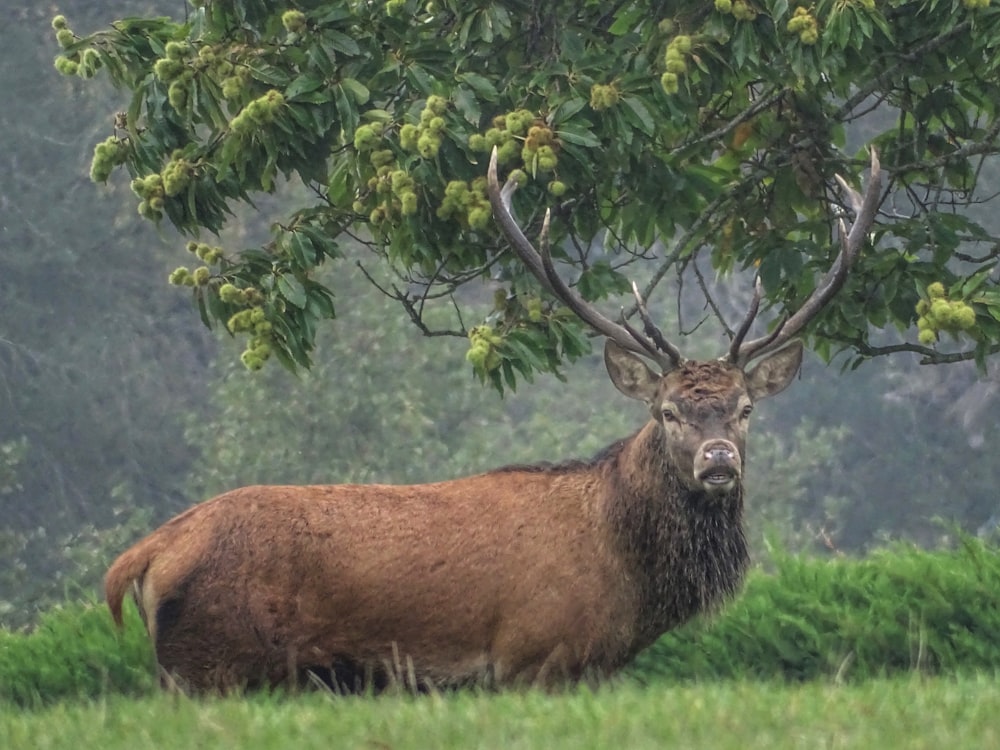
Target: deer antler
851,240
652,344
653,333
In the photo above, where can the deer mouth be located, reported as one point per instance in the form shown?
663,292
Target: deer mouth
718,477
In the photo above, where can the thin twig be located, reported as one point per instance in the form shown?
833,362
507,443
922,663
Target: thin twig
409,305
710,301
756,107
889,73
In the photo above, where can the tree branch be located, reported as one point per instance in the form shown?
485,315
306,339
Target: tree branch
757,106
891,72
983,146
928,355
411,307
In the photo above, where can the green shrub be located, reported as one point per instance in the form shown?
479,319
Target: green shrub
899,610
75,651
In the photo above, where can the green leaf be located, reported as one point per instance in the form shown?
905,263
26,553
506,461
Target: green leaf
639,115
484,27
304,84
467,104
268,74
508,375
578,135
334,13
292,290
627,17
358,90
301,249
200,303
975,282
418,77
341,42
522,348
321,60
864,21
500,19
481,85
346,110
567,109
321,302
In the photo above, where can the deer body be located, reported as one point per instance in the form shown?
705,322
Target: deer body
445,584
516,576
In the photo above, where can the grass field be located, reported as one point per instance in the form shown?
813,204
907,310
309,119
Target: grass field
911,713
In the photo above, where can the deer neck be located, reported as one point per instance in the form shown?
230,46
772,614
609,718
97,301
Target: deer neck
685,549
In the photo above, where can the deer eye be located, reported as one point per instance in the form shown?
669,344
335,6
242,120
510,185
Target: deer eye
670,414
747,410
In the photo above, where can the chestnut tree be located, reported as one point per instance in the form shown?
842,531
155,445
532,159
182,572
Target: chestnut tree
669,139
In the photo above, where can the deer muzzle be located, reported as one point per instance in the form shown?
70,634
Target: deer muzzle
717,465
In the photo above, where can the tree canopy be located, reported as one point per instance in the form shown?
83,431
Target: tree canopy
666,138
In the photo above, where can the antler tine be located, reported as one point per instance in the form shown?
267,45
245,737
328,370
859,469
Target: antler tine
865,208
500,200
741,332
653,333
541,267
653,343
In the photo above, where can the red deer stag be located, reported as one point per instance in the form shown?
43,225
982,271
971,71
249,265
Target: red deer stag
522,575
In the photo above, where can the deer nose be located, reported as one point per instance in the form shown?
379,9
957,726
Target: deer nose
720,451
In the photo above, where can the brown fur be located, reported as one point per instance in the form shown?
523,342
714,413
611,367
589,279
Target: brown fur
517,576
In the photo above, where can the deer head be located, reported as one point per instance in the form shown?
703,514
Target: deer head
702,408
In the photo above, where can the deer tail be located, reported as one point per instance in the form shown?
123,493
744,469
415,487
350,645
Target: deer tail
127,571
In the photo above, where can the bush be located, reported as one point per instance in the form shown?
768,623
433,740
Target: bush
899,610
75,651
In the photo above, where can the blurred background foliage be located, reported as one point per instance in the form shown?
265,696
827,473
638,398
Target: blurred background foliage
117,409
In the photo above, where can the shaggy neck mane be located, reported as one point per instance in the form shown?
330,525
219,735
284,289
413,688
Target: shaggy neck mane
687,548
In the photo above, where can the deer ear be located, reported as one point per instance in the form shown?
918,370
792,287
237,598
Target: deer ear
775,372
629,373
